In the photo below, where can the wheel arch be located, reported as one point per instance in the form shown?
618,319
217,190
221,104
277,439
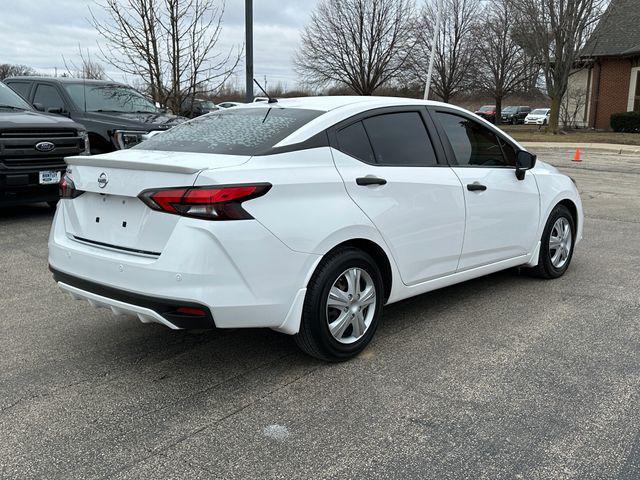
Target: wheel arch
573,209
379,256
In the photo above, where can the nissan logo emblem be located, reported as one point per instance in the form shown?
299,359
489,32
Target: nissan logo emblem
103,180
45,146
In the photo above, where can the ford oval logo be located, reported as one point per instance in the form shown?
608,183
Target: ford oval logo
45,146
103,180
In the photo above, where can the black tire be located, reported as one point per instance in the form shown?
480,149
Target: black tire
514,121
545,268
314,337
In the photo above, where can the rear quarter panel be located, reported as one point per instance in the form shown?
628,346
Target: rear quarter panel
307,208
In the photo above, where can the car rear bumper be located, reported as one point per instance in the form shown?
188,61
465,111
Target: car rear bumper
147,309
237,271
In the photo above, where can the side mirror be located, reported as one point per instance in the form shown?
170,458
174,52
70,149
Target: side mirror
39,107
56,110
524,161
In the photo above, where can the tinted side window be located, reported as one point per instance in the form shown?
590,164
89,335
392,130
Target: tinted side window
400,139
48,97
472,144
22,88
353,141
509,152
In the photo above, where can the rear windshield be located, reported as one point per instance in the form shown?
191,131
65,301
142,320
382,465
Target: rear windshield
237,131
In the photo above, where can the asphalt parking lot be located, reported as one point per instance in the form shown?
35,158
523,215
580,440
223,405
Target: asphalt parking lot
501,377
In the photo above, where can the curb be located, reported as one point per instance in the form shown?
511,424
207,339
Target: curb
602,147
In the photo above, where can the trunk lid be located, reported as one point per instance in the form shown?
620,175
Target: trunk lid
109,213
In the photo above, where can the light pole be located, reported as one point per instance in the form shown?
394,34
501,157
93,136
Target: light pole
436,33
248,29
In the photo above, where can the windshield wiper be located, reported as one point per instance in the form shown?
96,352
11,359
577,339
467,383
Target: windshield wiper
12,107
108,111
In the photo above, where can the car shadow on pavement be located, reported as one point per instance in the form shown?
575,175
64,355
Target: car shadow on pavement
130,344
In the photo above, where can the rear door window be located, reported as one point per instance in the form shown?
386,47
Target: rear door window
49,97
400,139
235,131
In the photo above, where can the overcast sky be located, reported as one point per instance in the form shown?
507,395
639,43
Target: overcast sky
39,32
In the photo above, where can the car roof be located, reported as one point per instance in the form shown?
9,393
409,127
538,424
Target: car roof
339,108
329,103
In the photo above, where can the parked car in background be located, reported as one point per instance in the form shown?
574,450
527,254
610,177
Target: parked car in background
32,150
229,104
307,216
539,116
116,116
488,112
194,107
515,115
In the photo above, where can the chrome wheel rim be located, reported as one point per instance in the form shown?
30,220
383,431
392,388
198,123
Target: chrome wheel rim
351,305
560,242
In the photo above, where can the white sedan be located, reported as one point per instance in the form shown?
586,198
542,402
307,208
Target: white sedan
539,116
307,216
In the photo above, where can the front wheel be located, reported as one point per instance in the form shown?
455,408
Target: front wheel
556,246
342,307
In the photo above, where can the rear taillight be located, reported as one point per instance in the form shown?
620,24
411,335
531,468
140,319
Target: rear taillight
209,203
68,189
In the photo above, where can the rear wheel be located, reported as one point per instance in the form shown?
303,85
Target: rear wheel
556,247
342,307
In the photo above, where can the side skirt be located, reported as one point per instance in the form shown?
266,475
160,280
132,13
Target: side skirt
458,277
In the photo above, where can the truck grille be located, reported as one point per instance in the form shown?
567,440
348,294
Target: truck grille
18,152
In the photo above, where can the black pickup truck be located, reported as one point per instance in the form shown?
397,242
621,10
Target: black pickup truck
32,150
116,116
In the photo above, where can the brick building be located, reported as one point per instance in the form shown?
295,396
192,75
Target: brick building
607,78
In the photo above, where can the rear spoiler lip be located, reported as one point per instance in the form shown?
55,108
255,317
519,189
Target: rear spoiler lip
131,165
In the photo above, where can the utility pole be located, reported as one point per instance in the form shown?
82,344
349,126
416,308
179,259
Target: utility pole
436,33
248,29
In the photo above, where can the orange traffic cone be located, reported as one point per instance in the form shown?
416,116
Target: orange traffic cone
576,157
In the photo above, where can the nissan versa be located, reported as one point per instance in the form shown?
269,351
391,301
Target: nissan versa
307,216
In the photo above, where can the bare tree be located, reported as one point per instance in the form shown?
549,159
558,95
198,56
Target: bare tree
455,65
170,44
504,67
554,31
88,67
8,70
359,44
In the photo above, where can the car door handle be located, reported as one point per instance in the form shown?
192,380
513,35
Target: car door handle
476,187
365,181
